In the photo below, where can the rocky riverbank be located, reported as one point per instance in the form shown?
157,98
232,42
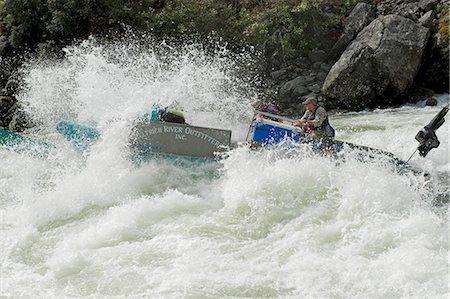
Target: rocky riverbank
388,53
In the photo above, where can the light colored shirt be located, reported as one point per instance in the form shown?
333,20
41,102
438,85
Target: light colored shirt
318,119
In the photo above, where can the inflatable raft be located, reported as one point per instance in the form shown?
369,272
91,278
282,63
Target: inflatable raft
268,129
23,144
80,136
149,138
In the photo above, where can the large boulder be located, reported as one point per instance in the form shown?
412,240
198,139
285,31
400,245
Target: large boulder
294,90
380,64
360,17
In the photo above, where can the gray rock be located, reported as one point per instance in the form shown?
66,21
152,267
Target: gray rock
299,91
317,56
18,120
315,88
340,46
427,5
406,8
321,76
8,111
287,89
359,18
3,44
325,67
416,94
431,101
382,62
11,87
6,103
429,20
316,65
293,90
278,75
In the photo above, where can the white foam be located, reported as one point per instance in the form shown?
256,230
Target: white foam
280,222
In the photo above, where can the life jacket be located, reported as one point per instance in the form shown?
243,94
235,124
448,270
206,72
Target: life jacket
324,124
271,108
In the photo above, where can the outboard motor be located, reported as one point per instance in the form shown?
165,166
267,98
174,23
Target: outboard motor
427,136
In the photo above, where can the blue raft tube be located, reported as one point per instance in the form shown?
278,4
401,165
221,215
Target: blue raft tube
24,145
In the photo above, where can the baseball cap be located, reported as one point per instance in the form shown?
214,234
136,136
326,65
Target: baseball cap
312,100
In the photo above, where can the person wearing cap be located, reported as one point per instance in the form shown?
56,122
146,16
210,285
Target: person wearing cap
315,120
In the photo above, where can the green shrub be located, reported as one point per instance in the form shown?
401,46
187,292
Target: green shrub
25,21
282,29
444,17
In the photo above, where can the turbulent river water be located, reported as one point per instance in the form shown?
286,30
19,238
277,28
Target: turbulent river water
276,223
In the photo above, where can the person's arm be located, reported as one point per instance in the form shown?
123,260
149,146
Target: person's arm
321,114
301,121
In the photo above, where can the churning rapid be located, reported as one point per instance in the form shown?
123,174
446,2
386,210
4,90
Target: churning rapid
280,222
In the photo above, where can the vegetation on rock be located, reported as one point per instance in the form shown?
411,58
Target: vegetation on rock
282,29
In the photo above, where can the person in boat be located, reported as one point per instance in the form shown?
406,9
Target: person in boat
266,107
172,116
166,115
315,120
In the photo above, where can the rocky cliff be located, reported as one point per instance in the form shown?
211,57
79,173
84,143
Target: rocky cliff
390,52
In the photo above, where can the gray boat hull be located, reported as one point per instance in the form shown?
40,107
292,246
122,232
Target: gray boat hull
148,137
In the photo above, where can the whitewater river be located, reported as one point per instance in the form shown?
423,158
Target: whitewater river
277,223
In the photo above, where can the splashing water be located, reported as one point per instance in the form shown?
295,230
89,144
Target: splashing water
272,223
121,81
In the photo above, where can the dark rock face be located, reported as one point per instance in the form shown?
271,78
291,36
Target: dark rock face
385,50
19,121
3,44
6,106
382,62
417,94
434,72
11,116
